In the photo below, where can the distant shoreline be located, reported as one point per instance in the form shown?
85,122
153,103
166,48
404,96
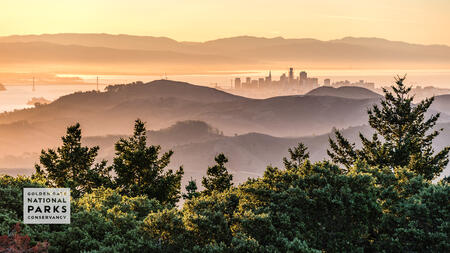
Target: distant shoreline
46,84
439,78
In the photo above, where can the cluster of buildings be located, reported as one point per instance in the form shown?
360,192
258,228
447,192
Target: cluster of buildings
300,82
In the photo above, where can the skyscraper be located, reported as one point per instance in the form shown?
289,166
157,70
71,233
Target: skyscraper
237,83
291,75
303,77
269,78
261,82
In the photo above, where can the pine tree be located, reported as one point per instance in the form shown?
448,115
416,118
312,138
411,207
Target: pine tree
140,170
406,136
191,190
298,155
218,178
72,165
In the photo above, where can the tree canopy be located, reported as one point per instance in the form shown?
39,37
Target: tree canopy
73,165
217,176
403,136
141,171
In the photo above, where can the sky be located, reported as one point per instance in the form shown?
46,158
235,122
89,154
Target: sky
415,21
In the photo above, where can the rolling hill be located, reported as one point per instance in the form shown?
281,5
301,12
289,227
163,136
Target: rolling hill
442,103
344,92
195,144
162,103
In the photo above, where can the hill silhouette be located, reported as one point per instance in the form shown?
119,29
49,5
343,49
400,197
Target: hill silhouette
345,92
108,52
162,103
442,103
44,55
121,41
249,154
196,143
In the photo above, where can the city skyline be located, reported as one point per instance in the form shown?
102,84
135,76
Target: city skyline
300,82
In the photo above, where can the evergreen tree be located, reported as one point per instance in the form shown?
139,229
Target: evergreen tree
72,165
218,178
406,136
191,190
140,170
298,155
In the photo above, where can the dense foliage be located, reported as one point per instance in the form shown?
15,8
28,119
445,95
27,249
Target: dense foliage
380,198
141,172
17,243
191,190
217,176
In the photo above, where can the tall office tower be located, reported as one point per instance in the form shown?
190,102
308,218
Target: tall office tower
283,78
303,77
291,75
261,82
248,80
237,83
269,78
327,82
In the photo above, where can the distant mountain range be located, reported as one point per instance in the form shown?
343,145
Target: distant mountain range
148,54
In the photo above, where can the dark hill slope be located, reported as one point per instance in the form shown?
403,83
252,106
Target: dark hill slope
86,104
249,154
344,92
195,144
442,103
163,103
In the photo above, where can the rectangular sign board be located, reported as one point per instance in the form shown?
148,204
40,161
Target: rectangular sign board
46,205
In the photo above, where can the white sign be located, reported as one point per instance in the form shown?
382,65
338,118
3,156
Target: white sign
46,205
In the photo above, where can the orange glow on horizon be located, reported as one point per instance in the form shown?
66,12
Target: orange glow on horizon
416,21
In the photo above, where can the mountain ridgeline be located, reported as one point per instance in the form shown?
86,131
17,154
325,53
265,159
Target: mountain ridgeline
104,52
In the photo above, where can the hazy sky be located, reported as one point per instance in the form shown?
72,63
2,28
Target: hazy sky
420,21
